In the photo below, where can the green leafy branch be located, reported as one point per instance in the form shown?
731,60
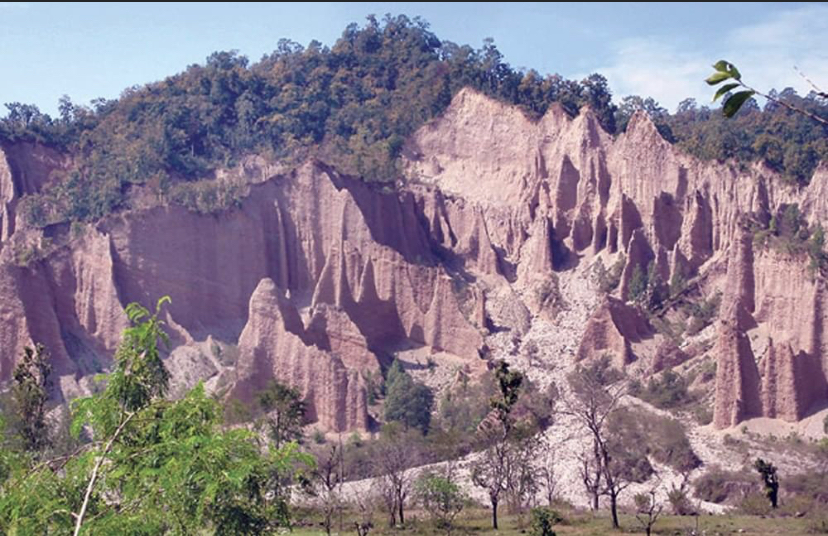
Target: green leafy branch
727,72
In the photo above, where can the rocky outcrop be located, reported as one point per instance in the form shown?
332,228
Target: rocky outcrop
791,384
68,302
737,377
357,264
274,344
667,355
327,239
772,302
611,331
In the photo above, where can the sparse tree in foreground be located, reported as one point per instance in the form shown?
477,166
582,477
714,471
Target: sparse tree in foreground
394,453
648,509
591,472
678,496
497,467
595,394
524,482
546,472
328,484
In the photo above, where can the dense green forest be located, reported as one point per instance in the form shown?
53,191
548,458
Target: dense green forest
352,105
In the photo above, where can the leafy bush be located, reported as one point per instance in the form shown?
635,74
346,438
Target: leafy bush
787,231
208,196
608,280
720,486
667,391
754,504
548,294
637,286
463,408
662,438
441,497
703,313
680,502
157,466
543,519
703,414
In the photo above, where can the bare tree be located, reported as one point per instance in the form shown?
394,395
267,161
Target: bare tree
365,504
623,464
648,508
546,471
495,469
396,451
591,471
328,484
524,481
595,394
493,472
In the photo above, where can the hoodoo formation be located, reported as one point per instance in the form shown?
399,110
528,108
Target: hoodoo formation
316,278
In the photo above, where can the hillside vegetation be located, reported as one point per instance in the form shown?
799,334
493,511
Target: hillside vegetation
353,105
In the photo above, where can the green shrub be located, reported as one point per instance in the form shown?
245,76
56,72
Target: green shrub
318,437
667,391
548,294
441,497
680,502
703,313
720,486
208,196
543,520
608,280
637,286
463,408
703,414
754,504
663,438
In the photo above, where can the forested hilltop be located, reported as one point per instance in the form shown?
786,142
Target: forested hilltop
352,105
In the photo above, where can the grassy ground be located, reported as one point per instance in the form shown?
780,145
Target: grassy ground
478,522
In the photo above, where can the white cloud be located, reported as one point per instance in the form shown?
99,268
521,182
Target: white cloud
765,53
658,69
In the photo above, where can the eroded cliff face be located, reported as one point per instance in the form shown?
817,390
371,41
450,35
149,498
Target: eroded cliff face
346,274
557,193
318,278
25,168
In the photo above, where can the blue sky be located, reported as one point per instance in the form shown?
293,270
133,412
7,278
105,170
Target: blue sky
88,50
